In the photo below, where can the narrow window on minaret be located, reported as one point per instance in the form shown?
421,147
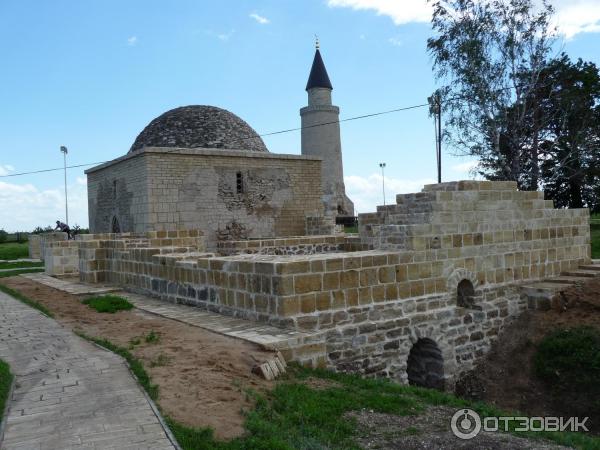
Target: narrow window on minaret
239,179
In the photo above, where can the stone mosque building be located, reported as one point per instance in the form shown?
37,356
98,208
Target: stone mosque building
202,167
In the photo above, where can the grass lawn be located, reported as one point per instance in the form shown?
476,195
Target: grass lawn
20,264
108,303
5,382
595,229
13,250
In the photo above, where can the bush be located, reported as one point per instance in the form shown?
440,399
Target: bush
570,359
3,236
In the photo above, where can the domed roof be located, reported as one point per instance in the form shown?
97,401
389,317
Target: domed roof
199,126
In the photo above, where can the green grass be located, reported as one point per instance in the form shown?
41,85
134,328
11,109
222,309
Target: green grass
595,231
5,382
13,250
108,303
14,273
571,358
295,416
23,298
152,337
20,264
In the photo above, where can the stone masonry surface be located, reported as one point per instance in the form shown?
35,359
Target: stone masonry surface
367,309
70,394
227,194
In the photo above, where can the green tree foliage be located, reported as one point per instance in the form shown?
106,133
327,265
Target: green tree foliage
489,55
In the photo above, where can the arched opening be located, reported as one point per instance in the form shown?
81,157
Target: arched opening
465,294
115,227
425,365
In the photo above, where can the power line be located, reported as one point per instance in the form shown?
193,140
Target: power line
289,130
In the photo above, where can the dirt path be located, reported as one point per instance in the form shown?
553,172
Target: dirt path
202,376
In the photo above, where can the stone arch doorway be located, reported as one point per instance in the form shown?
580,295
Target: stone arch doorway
115,227
425,365
465,294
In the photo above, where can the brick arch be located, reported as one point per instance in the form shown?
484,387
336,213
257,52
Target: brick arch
448,354
457,276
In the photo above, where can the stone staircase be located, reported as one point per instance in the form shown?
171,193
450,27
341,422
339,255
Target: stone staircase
541,293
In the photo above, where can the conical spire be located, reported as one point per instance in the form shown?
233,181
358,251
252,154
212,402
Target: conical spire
318,77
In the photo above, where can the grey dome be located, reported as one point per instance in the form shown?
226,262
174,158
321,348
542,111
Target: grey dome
199,126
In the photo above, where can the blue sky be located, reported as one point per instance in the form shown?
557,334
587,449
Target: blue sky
90,75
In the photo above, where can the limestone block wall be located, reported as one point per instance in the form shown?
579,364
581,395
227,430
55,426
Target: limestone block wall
35,249
102,256
320,225
443,279
61,258
118,196
37,242
228,194
495,231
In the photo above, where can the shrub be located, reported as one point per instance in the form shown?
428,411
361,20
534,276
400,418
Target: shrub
3,236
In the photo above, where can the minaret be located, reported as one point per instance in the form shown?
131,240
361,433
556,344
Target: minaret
321,137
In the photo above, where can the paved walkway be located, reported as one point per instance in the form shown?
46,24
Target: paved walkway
70,394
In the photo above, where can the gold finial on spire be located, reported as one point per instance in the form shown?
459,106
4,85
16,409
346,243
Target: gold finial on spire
316,42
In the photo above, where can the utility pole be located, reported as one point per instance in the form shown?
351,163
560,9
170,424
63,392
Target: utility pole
64,151
439,136
382,165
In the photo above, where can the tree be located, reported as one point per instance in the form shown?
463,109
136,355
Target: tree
571,170
489,54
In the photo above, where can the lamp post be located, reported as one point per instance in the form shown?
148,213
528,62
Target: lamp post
382,165
64,151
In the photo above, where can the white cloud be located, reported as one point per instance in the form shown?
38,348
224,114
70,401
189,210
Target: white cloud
260,19
577,16
6,169
131,41
464,166
572,16
401,12
367,192
24,207
395,42
224,37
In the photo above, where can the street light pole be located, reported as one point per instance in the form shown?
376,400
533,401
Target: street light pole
64,151
382,165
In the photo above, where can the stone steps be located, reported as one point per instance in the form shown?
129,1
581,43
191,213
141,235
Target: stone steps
541,293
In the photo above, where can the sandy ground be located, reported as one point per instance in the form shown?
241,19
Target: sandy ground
506,378
202,376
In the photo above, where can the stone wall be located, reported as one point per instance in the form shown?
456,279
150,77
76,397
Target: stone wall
35,249
306,245
37,242
228,194
61,258
444,281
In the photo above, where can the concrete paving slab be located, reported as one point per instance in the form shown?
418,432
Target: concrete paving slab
69,393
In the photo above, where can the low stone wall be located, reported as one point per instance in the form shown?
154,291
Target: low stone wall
35,249
61,258
305,245
37,243
101,256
